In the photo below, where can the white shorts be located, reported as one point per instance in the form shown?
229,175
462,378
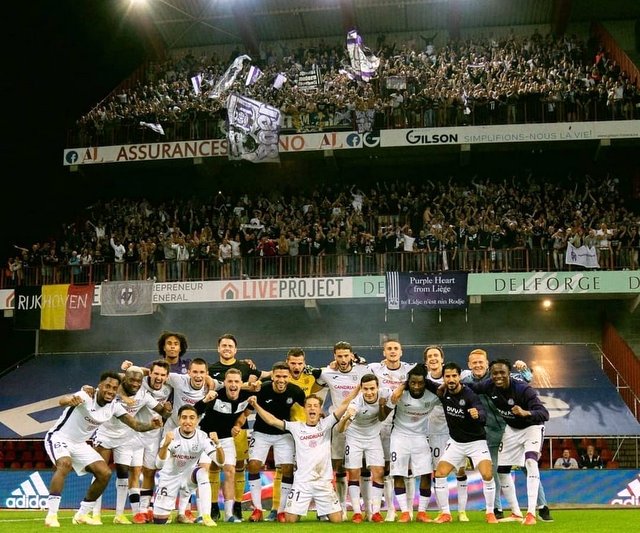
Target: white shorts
321,492
229,448
128,452
516,442
167,489
410,452
368,449
283,448
150,443
456,453
385,437
81,453
437,443
338,441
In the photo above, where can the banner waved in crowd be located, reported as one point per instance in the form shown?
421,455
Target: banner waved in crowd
253,130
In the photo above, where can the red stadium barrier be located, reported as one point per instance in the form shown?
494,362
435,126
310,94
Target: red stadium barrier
622,367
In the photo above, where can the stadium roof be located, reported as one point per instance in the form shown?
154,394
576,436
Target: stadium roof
193,23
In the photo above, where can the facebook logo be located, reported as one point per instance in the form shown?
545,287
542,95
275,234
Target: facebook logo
71,157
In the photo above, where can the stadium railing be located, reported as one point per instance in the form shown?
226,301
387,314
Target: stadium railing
326,265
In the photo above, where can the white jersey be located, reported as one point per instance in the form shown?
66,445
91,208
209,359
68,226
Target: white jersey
390,379
114,429
411,415
161,395
184,452
313,449
340,384
78,423
184,393
437,420
366,424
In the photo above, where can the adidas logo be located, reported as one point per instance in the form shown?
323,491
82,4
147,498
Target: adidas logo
630,495
32,494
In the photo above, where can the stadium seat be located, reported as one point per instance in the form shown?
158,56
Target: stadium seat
584,442
26,455
606,455
27,465
40,465
9,455
15,465
612,465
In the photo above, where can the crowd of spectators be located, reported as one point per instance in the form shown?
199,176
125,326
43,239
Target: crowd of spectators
474,224
514,79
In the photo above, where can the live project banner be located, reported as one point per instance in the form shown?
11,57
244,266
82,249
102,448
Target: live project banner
427,290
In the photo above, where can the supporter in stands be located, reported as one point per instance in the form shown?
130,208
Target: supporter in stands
590,459
518,207
489,81
566,462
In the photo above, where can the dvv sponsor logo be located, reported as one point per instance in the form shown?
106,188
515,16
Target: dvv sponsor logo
31,494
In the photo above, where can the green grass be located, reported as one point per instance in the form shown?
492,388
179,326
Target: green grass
566,521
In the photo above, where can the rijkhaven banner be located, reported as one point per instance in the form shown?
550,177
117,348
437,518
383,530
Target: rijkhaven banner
53,307
429,290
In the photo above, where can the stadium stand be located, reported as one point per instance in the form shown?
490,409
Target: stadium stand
519,220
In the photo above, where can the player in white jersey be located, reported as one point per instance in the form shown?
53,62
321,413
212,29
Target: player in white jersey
341,381
66,444
156,385
361,425
391,373
190,388
117,438
178,460
313,478
409,444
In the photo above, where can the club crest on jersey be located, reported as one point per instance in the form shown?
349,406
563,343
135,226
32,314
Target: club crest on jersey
462,403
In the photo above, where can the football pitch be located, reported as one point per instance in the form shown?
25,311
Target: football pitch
565,521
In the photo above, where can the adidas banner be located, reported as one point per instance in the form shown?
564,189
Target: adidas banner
53,307
126,298
613,489
428,290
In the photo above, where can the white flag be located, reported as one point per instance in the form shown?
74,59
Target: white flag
196,81
252,76
154,127
279,81
363,62
585,256
253,130
230,75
